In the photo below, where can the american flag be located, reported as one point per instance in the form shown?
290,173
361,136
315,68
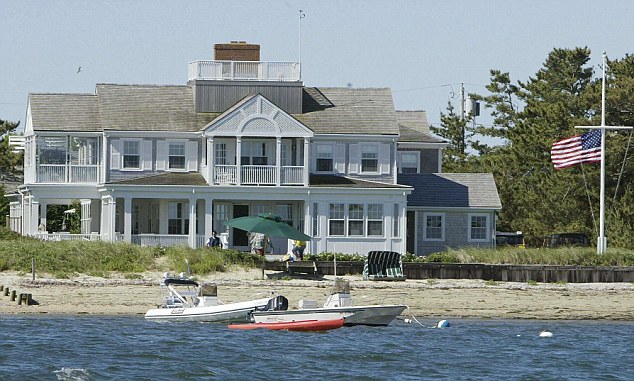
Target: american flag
578,149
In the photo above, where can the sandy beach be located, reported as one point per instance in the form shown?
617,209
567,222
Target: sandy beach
433,298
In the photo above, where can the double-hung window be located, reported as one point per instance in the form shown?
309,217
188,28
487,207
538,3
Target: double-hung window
434,227
375,219
369,158
131,154
478,227
409,162
336,220
176,155
175,221
355,219
324,158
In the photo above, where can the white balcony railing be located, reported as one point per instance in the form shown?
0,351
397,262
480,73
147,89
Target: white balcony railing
244,70
292,175
62,173
258,175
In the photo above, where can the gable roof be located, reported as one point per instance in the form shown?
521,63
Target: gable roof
413,127
452,190
65,112
342,110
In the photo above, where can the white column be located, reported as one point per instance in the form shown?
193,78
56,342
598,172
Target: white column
192,223
209,217
127,219
238,161
211,160
278,161
43,211
163,216
306,161
34,216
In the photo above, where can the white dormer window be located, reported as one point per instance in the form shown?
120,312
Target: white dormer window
324,158
369,158
177,155
131,154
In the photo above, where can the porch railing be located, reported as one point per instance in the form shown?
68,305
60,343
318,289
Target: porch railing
63,173
67,237
258,175
166,240
244,70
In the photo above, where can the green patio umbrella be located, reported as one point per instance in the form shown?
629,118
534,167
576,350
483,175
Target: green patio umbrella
269,225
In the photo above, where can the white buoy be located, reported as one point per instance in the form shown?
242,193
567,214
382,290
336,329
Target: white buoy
408,321
443,324
545,334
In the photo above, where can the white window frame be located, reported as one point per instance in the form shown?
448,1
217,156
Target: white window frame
124,154
338,218
331,158
442,227
356,217
220,153
171,144
371,217
369,149
407,153
487,231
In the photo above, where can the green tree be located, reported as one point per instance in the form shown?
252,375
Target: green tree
10,162
530,116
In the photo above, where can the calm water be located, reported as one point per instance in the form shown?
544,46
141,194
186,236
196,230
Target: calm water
129,348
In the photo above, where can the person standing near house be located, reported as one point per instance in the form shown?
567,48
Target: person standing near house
257,243
298,249
214,240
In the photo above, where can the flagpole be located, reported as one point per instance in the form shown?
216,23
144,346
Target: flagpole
601,246
602,243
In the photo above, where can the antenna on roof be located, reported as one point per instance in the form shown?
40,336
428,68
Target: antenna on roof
301,16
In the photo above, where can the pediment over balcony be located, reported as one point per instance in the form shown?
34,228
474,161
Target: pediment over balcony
256,116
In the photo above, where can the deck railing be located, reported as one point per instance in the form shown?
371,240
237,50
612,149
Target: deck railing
258,175
244,70
63,173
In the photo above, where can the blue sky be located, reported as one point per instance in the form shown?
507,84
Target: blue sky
421,49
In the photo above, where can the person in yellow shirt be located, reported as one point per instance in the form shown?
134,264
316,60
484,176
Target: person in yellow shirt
298,249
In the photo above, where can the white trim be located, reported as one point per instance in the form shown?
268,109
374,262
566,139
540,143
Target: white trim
443,222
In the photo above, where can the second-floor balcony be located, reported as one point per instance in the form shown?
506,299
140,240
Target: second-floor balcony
244,71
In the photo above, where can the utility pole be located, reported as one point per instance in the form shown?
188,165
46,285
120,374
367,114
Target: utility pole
462,119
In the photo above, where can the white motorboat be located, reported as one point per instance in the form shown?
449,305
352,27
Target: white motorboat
338,305
186,300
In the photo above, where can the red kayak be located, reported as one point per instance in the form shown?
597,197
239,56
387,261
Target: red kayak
303,325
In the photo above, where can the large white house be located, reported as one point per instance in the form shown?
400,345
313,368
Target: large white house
164,165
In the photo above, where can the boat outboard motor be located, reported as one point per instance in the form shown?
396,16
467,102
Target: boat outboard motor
278,303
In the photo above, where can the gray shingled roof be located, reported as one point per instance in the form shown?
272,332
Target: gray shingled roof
341,181
169,178
452,190
342,110
149,108
413,127
65,112
171,108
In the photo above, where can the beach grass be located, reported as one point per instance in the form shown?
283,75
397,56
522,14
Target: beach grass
65,258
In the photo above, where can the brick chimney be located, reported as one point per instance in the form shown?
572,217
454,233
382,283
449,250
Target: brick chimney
237,51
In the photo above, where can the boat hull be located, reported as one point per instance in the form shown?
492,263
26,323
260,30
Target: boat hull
380,315
232,312
304,325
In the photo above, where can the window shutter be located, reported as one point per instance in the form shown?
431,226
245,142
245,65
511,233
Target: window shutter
354,158
146,155
115,154
384,158
191,156
340,158
161,155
